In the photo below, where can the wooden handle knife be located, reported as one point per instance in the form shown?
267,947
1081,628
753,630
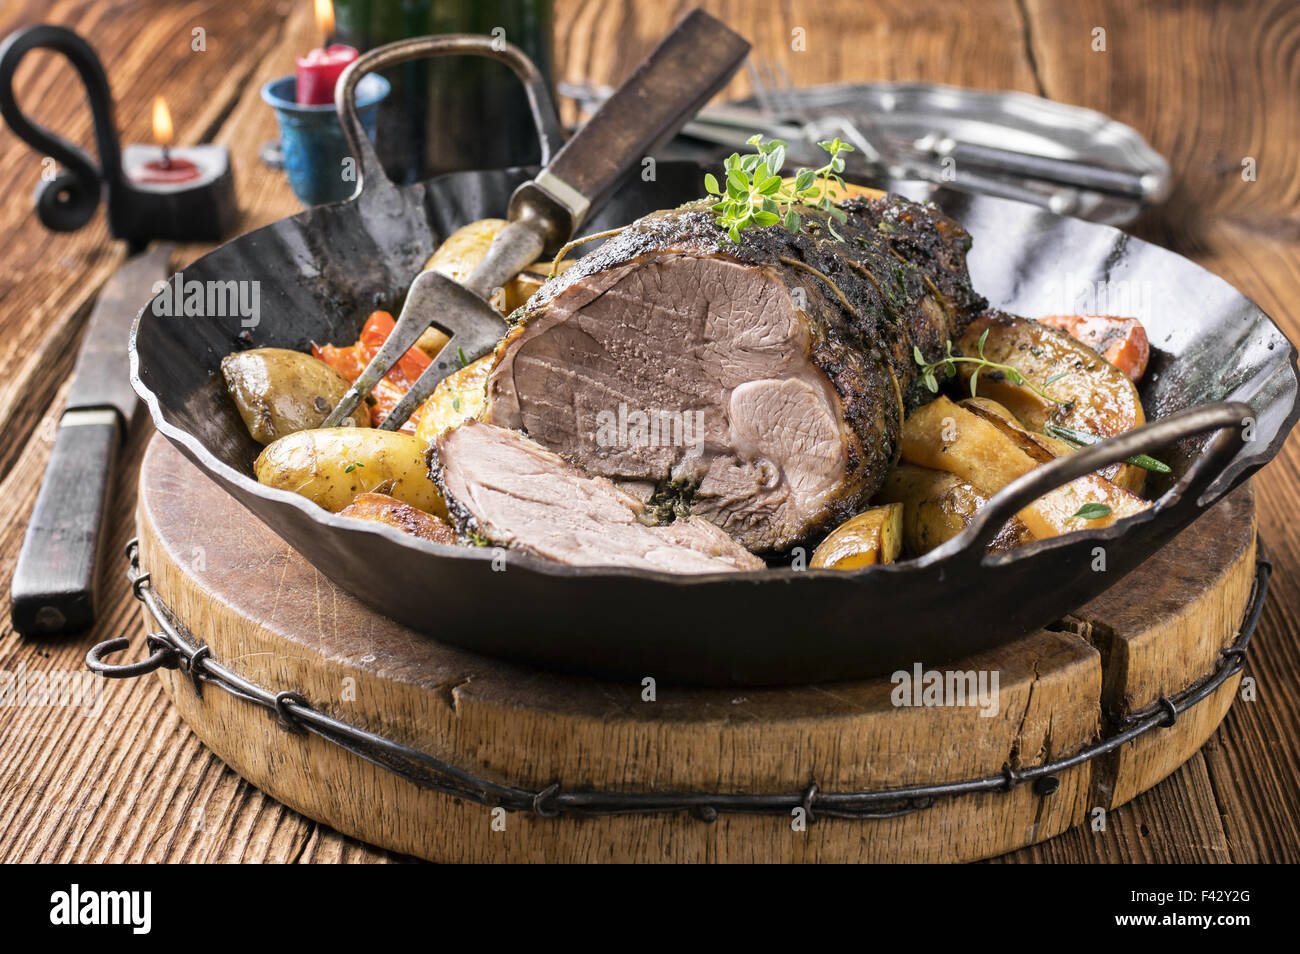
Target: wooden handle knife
54,589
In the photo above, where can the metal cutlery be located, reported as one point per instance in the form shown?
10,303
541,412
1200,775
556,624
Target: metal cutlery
1083,186
680,75
55,582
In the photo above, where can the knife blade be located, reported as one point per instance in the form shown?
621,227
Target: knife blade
54,589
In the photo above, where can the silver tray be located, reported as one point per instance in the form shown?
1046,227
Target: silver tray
1020,122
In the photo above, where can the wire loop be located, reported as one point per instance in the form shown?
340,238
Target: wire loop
543,801
1169,709
192,666
284,716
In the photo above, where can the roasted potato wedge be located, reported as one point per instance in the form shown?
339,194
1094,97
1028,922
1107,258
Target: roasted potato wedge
873,536
944,436
1090,393
382,508
521,288
456,399
279,392
458,256
461,253
1043,448
331,466
937,506
462,250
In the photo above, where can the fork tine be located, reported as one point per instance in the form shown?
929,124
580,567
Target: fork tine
869,143
415,318
476,328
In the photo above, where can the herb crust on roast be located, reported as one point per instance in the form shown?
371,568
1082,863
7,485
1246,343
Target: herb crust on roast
759,384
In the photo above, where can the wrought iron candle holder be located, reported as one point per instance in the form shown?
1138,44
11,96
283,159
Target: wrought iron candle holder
151,192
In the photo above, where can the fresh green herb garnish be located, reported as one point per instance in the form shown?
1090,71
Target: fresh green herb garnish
950,361
756,195
1092,511
460,356
353,466
1083,438
455,401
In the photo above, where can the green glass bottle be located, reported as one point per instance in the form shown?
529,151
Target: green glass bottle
454,112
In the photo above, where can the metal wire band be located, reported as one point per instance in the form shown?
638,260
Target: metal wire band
174,646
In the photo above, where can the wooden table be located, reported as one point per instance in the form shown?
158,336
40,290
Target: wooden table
1209,89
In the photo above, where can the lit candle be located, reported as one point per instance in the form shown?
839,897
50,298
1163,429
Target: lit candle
319,70
165,168
175,192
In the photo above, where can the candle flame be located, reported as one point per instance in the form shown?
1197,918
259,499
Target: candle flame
325,18
162,122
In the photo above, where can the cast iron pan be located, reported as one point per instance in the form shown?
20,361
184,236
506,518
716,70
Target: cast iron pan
322,271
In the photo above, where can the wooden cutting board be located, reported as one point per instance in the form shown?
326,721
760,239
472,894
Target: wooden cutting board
269,615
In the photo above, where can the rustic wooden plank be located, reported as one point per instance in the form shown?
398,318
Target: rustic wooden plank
72,785
1165,825
1253,760
326,846
73,782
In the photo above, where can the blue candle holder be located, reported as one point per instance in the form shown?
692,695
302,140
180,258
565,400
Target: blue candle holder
311,139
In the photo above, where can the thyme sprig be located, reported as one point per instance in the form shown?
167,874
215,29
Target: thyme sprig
755,194
950,361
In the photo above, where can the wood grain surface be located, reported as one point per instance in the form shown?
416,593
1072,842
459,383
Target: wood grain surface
1209,86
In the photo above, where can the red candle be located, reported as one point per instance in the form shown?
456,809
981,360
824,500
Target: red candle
166,168
319,70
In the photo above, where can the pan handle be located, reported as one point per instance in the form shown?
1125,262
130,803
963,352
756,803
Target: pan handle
545,119
1226,417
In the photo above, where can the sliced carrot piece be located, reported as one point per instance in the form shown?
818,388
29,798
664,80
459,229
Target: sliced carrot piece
1121,341
409,366
351,360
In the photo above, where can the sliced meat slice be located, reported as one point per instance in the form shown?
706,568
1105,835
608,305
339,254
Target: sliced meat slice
507,490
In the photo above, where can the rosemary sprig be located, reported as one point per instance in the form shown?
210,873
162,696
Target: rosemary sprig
756,195
1083,438
950,361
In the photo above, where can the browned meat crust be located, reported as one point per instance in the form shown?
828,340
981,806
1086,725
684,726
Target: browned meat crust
835,315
